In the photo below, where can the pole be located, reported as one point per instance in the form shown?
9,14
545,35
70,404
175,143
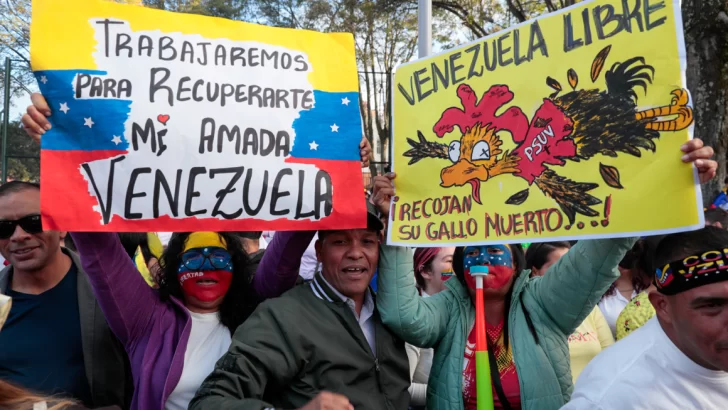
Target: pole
6,121
424,28
483,382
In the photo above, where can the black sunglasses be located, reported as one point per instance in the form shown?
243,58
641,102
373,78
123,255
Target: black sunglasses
30,224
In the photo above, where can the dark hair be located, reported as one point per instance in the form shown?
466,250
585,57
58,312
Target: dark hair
639,261
679,245
131,241
519,262
17,186
714,215
250,234
538,253
240,300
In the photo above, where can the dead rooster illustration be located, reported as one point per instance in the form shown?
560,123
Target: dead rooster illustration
574,126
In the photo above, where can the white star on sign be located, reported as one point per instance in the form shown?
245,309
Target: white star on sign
64,108
43,79
116,140
313,146
88,122
345,101
334,128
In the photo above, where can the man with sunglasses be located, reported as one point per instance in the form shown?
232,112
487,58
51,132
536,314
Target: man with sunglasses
319,346
55,340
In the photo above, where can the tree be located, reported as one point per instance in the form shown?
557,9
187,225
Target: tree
15,43
15,29
706,41
19,144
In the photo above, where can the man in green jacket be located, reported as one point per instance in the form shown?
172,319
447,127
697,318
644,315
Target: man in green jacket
321,345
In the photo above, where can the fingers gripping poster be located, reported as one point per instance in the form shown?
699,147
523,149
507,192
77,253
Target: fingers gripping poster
564,127
177,122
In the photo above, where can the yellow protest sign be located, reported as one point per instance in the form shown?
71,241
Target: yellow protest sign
564,127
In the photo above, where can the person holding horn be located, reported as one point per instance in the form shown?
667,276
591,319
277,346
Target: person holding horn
528,319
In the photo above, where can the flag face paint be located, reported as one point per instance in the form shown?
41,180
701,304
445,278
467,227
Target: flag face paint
206,286
210,276
499,259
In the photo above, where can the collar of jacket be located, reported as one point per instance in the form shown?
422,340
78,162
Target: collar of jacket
87,310
323,291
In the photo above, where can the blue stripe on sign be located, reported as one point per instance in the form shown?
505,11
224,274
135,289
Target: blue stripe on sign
331,130
83,125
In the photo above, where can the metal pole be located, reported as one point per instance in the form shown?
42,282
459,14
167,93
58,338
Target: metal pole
424,30
6,121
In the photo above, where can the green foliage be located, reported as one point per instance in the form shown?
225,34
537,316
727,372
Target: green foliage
19,144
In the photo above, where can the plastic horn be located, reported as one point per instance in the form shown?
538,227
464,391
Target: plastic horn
483,384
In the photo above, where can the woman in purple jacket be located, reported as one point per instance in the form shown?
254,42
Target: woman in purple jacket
174,335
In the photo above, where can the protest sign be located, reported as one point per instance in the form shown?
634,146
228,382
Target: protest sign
568,126
178,122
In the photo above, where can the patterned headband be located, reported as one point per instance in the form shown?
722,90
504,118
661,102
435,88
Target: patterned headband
703,268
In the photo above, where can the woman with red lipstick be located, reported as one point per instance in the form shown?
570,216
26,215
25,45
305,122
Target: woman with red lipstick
175,334
528,319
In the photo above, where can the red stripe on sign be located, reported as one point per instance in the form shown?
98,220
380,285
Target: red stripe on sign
67,205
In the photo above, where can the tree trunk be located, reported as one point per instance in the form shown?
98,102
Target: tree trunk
706,41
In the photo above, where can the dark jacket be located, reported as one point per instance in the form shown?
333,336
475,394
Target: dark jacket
106,363
300,344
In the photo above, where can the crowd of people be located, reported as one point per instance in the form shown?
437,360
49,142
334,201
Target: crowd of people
339,320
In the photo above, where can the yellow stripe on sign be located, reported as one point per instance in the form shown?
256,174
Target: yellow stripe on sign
62,38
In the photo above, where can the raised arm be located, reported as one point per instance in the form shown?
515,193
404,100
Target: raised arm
125,298
418,321
260,353
574,285
278,270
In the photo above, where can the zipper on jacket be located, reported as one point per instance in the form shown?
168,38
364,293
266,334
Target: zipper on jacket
377,372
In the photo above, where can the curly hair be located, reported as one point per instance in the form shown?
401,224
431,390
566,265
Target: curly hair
240,300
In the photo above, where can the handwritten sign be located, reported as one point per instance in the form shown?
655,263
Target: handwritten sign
178,122
563,127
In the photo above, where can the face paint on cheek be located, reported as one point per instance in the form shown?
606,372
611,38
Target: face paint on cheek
206,286
444,276
498,277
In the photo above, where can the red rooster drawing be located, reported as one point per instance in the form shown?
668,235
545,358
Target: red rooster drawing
574,126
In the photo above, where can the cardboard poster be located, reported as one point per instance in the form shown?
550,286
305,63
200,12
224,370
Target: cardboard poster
568,126
180,122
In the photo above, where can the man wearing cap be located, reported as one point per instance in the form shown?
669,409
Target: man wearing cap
321,345
679,358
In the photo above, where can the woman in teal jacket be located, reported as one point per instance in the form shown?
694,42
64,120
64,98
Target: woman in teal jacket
528,319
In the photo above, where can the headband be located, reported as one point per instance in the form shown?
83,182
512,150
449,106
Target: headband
423,256
204,239
703,268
